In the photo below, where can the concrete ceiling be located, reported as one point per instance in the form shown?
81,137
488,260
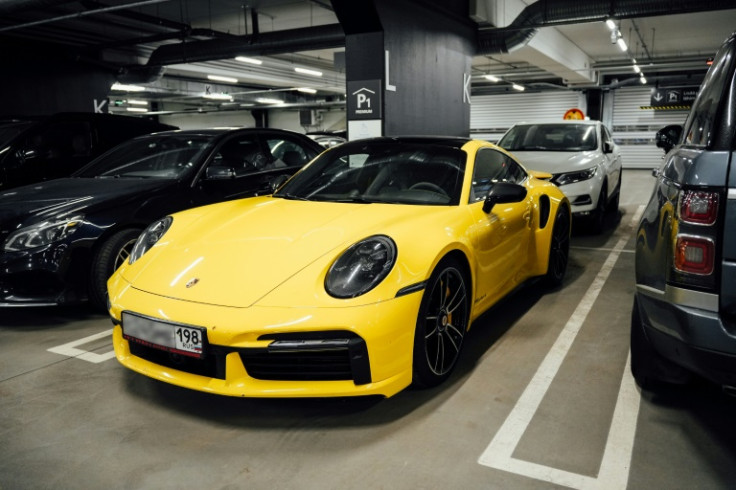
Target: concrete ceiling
120,35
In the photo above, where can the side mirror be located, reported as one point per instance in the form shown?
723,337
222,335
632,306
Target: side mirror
667,137
503,192
607,147
220,173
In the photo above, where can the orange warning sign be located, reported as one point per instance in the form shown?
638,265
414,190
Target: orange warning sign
574,114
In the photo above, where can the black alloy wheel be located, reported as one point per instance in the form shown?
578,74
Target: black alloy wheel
109,257
559,249
441,324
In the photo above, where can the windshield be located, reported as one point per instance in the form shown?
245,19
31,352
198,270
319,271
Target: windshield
550,137
10,130
382,172
158,156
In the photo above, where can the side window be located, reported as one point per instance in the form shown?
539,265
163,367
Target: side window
492,166
59,140
241,155
288,153
700,124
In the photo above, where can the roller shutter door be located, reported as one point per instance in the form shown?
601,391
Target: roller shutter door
634,128
492,115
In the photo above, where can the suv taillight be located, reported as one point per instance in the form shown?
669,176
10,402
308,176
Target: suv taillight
699,207
694,254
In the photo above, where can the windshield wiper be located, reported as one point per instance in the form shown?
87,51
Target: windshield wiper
292,197
358,199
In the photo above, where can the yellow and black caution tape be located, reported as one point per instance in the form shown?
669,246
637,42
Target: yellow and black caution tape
666,107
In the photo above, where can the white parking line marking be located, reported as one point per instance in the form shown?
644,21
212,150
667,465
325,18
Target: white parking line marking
70,349
614,469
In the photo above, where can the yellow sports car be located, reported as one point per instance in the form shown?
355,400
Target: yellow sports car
360,276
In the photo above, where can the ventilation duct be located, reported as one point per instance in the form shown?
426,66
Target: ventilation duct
546,13
259,44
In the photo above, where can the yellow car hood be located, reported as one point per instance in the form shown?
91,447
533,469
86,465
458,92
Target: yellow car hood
235,253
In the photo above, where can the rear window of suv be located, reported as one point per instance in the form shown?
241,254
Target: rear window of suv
700,126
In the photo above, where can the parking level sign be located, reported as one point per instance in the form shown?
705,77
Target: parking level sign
364,99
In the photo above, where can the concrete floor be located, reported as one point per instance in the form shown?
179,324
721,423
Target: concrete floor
542,398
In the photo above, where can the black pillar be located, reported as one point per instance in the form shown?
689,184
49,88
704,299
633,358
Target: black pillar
42,80
407,66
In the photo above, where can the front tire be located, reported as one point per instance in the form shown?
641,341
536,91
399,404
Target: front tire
441,324
111,255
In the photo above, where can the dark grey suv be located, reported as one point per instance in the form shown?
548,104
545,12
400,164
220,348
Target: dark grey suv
684,315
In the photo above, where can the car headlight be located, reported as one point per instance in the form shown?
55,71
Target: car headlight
361,267
41,234
572,177
149,237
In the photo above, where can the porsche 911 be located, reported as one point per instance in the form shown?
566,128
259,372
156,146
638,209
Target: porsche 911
361,275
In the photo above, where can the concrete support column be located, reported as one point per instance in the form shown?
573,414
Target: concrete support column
42,81
407,66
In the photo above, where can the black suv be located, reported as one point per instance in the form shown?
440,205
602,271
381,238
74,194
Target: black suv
684,315
37,149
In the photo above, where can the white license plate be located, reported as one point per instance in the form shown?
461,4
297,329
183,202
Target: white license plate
171,337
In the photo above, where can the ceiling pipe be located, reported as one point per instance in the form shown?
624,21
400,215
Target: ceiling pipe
546,13
260,44
8,7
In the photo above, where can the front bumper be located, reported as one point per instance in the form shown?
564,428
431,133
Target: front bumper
43,276
694,338
275,351
583,195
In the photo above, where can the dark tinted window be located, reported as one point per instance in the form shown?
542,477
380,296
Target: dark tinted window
288,152
493,166
550,137
377,171
167,156
57,141
11,130
700,126
243,155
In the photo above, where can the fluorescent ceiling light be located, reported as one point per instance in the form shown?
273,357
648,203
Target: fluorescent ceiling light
643,80
137,102
269,101
136,109
245,59
218,78
517,87
127,88
306,90
611,24
637,69
305,71
218,96
492,78
622,44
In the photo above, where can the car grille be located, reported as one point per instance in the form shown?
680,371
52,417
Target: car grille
317,356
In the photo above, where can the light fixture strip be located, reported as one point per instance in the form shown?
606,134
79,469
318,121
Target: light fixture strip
245,59
219,78
127,88
305,71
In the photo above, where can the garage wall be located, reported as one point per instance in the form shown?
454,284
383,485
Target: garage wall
327,120
492,115
210,120
634,128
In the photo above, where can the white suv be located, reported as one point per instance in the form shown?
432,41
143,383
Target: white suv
581,156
